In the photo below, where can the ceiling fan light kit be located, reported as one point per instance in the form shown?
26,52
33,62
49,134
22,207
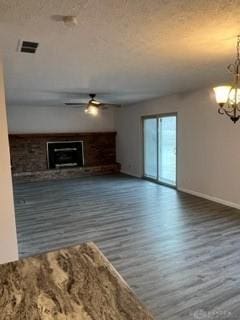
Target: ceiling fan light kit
228,96
92,106
91,110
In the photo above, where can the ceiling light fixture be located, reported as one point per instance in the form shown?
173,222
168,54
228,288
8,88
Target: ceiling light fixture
228,97
92,110
92,106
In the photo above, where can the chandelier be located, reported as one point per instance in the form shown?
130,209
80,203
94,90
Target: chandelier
228,97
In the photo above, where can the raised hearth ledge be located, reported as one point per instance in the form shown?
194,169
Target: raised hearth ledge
66,173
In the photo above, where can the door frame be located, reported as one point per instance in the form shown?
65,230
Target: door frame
157,116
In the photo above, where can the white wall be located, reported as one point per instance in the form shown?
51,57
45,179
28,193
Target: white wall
208,144
8,238
32,119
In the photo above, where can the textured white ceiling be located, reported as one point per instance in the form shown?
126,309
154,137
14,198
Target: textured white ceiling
128,49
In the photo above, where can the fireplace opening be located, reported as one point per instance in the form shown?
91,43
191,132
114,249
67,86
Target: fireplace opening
65,154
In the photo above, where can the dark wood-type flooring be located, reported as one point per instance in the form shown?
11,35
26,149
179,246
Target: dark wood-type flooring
180,253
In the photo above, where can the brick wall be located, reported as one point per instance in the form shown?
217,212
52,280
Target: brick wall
29,151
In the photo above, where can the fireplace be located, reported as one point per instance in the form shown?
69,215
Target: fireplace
65,154
33,157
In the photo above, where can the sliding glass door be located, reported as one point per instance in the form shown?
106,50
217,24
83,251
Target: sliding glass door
150,148
159,134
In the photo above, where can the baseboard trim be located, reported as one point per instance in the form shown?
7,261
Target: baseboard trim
211,198
195,193
130,174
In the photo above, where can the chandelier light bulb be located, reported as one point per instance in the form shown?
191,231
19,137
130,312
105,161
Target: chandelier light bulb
222,93
234,95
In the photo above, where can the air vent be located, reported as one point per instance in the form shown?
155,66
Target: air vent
28,46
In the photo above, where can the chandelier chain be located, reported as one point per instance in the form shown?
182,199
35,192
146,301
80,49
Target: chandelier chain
234,68
238,47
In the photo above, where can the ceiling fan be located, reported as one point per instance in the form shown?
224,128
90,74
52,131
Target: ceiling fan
92,106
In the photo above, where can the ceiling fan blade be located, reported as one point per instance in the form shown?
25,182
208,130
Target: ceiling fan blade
109,105
75,104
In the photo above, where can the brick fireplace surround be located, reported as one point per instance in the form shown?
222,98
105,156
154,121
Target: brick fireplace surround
29,155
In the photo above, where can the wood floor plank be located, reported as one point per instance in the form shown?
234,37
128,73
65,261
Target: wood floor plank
178,252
